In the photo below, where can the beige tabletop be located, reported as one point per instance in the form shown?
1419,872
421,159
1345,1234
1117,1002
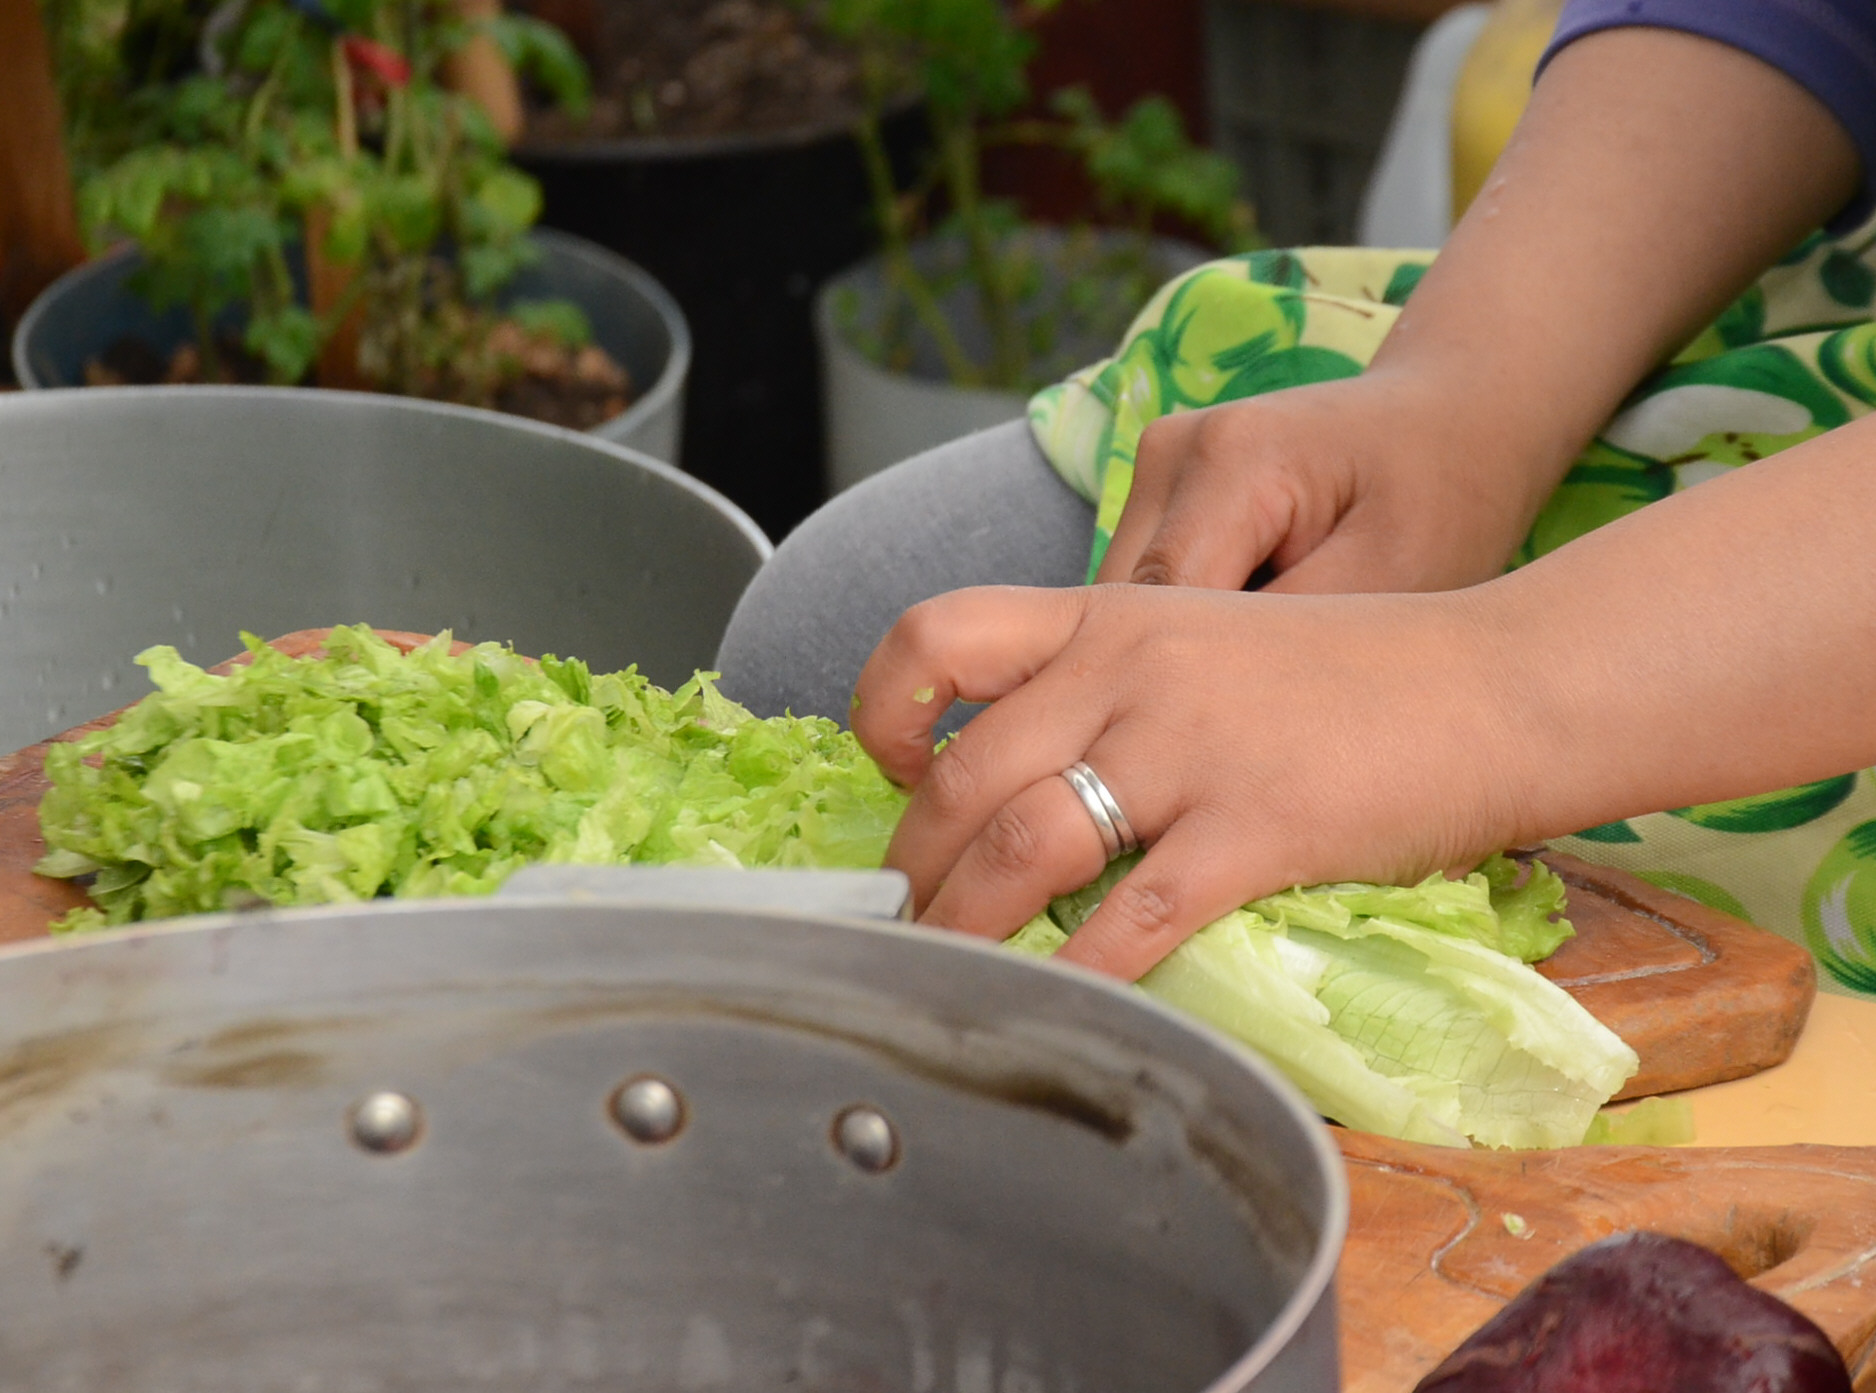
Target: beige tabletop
1826,1091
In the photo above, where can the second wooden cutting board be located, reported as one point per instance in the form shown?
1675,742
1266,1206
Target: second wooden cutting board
1440,1239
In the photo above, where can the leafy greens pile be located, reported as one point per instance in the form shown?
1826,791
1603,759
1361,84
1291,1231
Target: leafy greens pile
369,772
1408,1011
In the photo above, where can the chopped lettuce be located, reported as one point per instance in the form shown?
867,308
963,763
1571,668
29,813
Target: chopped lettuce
1399,1010
371,772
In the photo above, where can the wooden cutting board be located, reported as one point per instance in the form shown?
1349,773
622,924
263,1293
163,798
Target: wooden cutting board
1701,996
1430,1258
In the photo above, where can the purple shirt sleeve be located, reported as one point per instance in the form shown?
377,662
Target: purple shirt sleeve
1826,46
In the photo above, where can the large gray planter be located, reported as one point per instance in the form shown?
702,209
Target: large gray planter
877,417
142,515
633,318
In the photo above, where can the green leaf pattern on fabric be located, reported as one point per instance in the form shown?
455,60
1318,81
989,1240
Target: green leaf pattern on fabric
1610,832
1791,358
1772,812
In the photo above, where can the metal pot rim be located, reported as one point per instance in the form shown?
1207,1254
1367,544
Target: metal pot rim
55,398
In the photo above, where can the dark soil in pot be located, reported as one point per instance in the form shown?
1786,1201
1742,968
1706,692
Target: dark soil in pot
578,388
746,194
681,68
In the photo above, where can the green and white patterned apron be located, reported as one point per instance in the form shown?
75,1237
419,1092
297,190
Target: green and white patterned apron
1793,357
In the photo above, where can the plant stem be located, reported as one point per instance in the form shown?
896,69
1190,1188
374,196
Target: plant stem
345,103
957,143
897,250
263,98
205,344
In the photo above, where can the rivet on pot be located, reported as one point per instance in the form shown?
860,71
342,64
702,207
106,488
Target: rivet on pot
648,1109
386,1123
867,1139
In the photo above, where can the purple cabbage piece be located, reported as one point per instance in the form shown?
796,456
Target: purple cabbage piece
1643,1313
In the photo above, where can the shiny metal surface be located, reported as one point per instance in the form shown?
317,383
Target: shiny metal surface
791,890
386,1123
1088,1194
633,318
649,1110
183,515
867,1139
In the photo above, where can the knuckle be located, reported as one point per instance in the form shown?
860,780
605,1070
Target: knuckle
1010,844
1219,435
921,625
1158,444
951,784
1144,908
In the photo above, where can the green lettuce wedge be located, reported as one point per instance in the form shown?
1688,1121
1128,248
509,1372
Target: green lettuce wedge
1400,1010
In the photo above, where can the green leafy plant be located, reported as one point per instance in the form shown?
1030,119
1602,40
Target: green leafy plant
970,58
300,167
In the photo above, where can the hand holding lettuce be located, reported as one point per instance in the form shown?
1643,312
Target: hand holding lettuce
368,772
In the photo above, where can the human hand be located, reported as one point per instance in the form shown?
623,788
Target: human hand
1255,742
1386,482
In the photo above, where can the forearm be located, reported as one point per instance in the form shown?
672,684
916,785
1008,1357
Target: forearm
1718,644
1654,176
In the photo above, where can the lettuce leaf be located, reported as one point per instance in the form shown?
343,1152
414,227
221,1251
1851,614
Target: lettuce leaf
371,772
1399,1010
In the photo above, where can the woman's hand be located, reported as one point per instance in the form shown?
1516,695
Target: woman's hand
1609,233
1386,482
1255,742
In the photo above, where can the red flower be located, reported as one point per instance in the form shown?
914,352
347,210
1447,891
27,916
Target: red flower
368,56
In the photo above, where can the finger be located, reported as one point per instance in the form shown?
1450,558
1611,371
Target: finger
1029,736
1040,844
1205,512
1195,873
1217,528
1163,446
971,645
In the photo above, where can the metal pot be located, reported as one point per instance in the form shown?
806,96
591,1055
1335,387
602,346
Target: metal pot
183,515
79,315
535,1144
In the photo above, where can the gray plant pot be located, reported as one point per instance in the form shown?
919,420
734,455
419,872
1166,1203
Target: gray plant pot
877,417
183,515
633,318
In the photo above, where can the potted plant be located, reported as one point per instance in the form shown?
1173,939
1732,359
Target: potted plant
309,202
967,310
718,154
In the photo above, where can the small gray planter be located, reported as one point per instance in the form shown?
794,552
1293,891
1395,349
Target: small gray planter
633,318
877,417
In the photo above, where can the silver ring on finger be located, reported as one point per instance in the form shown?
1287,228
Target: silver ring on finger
1117,834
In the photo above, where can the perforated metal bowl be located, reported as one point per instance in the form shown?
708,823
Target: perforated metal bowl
539,1145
